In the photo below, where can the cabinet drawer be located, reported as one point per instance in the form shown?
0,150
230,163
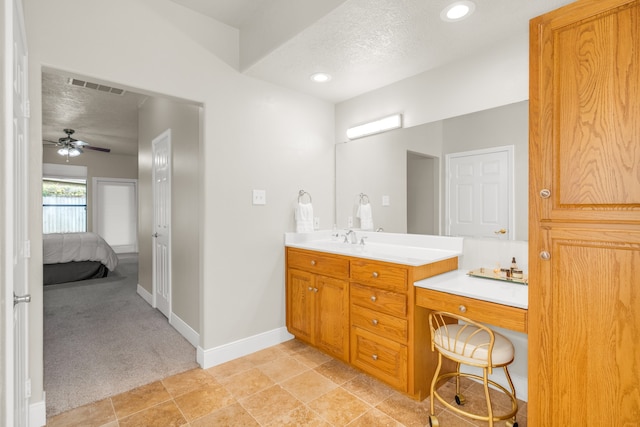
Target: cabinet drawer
318,263
379,300
482,311
379,275
387,326
380,357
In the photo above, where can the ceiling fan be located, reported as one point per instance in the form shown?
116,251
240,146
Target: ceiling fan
71,147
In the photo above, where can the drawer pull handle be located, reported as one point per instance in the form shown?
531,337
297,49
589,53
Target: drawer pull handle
310,288
375,274
373,298
374,322
315,289
313,262
545,255
374,357
462,308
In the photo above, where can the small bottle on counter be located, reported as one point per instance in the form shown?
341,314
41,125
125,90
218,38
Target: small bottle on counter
514,265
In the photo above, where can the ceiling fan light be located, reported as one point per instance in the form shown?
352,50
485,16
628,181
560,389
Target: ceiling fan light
74,152
64,151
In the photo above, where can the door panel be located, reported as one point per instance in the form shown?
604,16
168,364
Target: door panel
479,195
15,233
161,172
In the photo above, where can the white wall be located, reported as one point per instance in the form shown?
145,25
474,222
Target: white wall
156,116
255,135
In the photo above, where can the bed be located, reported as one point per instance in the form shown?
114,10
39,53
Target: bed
70,257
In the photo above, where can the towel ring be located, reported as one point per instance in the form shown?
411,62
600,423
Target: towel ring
301,194
364,199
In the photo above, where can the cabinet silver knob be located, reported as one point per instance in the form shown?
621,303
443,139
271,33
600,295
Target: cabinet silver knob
462,308
374,357
375,322
313,262
375,274
545,193
545,255
373,298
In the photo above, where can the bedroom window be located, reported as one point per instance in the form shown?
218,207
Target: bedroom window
64,205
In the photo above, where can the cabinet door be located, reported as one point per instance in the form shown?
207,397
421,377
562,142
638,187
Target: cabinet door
585,112
301,303
332,316
584,329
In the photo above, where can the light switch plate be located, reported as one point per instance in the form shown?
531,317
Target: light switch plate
385,201
316,223
350,222
259,197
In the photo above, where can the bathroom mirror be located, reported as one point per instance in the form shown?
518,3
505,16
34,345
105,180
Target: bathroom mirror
403,171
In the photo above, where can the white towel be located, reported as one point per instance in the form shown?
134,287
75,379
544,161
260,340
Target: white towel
304,218
365,215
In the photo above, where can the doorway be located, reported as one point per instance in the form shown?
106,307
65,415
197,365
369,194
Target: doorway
184,119
423,194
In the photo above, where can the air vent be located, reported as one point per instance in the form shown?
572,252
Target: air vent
96,86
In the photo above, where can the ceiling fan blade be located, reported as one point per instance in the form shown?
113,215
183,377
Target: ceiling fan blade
51,142
104,150
79,143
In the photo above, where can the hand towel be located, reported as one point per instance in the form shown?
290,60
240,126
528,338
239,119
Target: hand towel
365,215
304,218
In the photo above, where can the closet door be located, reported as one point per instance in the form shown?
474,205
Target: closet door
584,250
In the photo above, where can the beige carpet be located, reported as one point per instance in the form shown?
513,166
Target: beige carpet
101,339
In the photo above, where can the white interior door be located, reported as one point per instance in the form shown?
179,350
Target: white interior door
479,193
16,243
161,172
115,212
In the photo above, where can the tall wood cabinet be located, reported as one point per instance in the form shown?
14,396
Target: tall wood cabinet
584,233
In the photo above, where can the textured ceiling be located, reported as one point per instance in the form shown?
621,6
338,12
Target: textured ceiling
363,44
99,118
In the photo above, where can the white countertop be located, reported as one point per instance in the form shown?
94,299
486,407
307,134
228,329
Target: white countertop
457,282
411,250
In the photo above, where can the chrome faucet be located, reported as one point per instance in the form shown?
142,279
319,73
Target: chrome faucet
350,237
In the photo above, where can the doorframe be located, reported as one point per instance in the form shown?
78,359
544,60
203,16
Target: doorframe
510,149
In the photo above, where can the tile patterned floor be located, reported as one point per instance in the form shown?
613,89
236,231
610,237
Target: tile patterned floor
290,384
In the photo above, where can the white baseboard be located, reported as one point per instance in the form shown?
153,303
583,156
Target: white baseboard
208,358
178,324
38,413
145,295
185,330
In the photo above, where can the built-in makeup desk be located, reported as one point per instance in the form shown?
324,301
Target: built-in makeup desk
503,304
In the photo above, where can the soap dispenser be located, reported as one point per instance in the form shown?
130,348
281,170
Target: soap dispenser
514,266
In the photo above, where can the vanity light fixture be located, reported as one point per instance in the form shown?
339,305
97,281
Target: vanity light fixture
457,11
377,126
320,77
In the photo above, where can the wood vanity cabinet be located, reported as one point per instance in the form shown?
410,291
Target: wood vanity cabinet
584,210
318,300
382,332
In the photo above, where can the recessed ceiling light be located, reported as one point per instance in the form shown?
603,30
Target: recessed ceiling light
320,77
457,11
